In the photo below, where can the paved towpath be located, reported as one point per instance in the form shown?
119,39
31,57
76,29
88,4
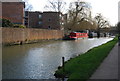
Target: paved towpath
109,68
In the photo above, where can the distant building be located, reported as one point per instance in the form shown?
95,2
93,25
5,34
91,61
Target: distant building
13,11
53,20
33,19
113,30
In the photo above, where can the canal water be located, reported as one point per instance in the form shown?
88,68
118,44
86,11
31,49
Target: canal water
40,60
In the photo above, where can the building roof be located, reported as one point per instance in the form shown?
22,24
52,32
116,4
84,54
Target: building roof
50,12
11,1
34,12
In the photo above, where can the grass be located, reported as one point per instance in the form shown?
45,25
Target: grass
82,67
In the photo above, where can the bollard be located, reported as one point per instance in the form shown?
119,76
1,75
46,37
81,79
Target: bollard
21,42
63,61
119,40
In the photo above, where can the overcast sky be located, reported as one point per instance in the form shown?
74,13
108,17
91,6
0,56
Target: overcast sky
108,8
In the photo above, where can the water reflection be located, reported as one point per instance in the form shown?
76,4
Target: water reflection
40,60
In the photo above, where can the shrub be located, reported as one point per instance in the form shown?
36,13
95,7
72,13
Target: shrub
6,23
19,26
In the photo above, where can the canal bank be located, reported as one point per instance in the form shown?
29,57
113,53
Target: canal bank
82,67
40,60
109,67
13,36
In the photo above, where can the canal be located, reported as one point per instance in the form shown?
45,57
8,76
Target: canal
40,60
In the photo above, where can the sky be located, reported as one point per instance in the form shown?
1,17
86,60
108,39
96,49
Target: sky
108,8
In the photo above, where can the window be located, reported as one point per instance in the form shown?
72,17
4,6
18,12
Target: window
49,27
49,19
39,22
40,16
26,13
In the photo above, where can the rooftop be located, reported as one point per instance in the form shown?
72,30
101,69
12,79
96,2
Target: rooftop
11,1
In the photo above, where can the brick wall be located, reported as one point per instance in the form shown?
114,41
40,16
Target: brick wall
14,11
16,35
34,19
51,20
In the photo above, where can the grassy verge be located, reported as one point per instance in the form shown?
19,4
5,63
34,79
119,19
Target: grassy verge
82,67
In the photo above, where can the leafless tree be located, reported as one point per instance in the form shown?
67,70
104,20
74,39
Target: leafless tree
77,15
56,5
28,7
102,23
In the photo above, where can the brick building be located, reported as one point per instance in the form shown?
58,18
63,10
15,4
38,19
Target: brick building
52,20
14,11
33,19
44,20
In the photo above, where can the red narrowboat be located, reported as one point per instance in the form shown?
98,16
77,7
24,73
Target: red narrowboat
77,35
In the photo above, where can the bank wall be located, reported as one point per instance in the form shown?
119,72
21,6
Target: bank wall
26,35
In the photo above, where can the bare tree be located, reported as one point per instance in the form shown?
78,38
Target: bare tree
56,5
28,7
102,23
78,15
